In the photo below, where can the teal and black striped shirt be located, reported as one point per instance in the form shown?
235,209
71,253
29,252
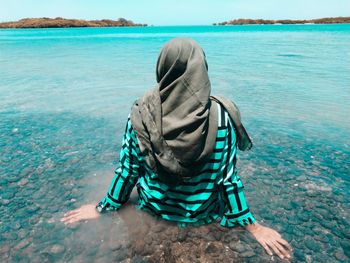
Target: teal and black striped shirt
216,193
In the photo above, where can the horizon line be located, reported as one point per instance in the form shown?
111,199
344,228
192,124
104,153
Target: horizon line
210,24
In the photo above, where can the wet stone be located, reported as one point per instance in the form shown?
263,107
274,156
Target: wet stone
217,235
321,237
4,249
22,233
115,246
10,236
181,236
7,195
312,244
22,244
34,220
338,254
212,248
23,182
16,226
121,255
345,244
346,233
3,181
57,249
33,208
46,257
248,254
26,171
158,228
239,247
13,179
5,201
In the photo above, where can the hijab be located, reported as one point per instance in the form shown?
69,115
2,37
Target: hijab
176,121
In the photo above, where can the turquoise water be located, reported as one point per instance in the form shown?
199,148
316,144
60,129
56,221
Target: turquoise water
64,98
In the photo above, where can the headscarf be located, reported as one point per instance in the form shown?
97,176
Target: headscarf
176,122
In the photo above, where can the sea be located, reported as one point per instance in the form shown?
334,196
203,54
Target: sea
65,96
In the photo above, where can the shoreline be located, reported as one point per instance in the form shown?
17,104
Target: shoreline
59,22
165,26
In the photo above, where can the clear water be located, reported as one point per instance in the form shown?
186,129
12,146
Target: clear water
64,98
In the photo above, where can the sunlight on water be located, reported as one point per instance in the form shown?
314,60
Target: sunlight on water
65,96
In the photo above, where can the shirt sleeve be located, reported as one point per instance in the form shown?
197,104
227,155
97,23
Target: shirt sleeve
126,175
235,210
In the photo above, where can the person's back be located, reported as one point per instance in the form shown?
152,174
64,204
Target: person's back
216,191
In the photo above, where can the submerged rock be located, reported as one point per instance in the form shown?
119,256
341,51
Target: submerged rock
57,249
23,182
339,254
212,248
22,244
312,244
248,254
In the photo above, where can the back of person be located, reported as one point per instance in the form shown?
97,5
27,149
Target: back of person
216,191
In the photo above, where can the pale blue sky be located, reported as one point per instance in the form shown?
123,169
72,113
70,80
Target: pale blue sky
178,12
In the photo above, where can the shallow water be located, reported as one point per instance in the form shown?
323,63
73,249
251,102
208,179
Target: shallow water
66,93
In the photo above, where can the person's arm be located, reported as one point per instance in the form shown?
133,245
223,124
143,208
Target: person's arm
124,180
126,175
236,211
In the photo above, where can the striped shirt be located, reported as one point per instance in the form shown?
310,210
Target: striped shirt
216,193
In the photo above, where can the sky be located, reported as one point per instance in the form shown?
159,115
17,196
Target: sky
178,12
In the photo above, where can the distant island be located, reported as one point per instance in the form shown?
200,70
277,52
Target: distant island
59,22
328,20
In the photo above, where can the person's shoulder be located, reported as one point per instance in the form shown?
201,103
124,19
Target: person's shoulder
130,132
224,121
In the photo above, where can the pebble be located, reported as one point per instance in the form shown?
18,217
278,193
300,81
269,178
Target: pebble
22,233
181,236
10,235
248,254
5,201
158,228
33,208
322,238
22,244
115,246
16,226
13,179
25,172
212,248
47,257
23,182
346,233
312,244
232,245
299,255
121,255
57,249
217,235
4,249
340,255
237,246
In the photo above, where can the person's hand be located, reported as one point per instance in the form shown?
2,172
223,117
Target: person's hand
270,238
85,212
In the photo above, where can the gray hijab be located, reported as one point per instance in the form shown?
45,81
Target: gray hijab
176,122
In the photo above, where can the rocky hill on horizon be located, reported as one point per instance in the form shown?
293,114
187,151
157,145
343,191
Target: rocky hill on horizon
327,20
60,22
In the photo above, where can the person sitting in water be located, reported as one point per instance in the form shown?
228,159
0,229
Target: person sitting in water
180,150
